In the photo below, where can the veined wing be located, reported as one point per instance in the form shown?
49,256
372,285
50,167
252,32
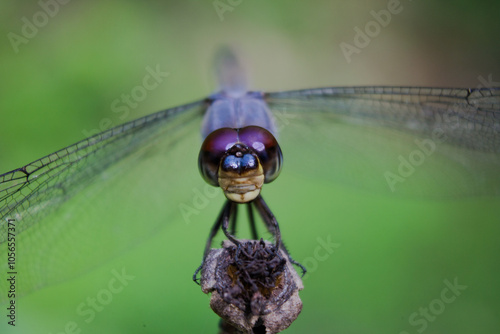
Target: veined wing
34,190
438,142
33,194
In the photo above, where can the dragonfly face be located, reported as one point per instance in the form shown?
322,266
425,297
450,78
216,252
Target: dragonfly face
240,161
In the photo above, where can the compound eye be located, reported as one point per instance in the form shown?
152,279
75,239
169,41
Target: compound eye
212,150
263,143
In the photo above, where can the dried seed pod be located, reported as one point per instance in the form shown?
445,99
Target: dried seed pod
253,285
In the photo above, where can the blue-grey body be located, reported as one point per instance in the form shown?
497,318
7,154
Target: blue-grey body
236,112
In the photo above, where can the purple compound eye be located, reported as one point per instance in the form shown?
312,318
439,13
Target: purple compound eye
212,150
263,143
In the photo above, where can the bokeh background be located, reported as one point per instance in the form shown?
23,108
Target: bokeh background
390,256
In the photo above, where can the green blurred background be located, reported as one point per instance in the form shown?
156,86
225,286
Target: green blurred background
390,256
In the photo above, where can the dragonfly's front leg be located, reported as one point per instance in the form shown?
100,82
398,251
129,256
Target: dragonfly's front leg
223,216
273,228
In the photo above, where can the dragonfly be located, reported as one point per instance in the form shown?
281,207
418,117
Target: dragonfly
338,134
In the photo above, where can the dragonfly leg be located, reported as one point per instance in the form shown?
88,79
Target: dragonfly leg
269,220
231,210
213,232
251,219
234,215
273,227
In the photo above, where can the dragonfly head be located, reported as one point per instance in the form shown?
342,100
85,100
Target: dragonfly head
240,161
241,175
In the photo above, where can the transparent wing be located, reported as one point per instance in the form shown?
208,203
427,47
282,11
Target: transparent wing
58,204
431,142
